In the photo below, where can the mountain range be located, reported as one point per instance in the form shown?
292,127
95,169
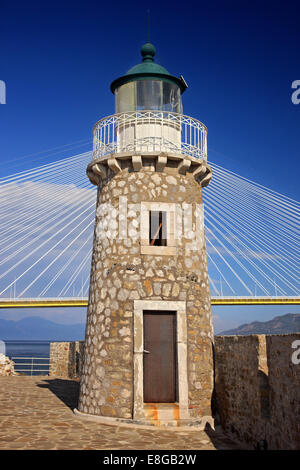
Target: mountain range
289,323
36,328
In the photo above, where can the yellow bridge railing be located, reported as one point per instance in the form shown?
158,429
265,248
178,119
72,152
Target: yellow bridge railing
83,302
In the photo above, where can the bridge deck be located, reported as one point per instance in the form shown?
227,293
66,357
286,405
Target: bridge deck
83,302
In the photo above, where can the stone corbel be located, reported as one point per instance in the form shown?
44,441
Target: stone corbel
100,170
114,165
206,179
161,162
200,171
94,179
137,162
184,166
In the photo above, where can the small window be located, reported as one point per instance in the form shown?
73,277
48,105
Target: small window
157,228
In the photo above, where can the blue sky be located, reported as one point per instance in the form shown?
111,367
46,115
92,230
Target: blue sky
239,59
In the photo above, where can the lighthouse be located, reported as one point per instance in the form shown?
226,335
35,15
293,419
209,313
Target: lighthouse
148,355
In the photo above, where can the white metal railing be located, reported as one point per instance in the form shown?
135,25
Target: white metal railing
31,365
150,131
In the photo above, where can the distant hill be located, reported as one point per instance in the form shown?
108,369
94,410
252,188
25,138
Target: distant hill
289,323
36,328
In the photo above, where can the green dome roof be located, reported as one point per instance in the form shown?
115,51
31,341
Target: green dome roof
148,65
147,69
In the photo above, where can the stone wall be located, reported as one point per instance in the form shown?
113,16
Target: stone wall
256,383
66,359
258,389
284,382
121,274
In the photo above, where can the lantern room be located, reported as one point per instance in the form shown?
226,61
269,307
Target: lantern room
148,98
148,87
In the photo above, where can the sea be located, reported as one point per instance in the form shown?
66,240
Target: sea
30,357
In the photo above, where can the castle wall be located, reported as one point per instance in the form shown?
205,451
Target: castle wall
66,358
284,383
257,386
258,389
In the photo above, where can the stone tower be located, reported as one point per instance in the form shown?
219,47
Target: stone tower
149,336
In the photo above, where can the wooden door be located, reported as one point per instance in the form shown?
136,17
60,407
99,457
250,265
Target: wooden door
159,357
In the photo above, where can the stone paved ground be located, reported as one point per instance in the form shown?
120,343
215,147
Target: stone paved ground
36,413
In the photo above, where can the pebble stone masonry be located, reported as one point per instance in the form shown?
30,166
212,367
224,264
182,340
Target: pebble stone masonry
124,276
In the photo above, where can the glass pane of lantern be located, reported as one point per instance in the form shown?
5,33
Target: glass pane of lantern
125,98
171,98
149,94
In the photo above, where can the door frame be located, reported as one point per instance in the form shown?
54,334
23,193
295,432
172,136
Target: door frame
172,315
138,350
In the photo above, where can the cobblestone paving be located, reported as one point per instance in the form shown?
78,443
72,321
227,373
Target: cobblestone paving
36,413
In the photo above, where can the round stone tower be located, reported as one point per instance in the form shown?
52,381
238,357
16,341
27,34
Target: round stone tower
148,355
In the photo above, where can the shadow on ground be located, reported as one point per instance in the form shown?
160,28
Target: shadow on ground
223,442
66,390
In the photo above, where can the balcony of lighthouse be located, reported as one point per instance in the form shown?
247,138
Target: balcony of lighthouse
150,133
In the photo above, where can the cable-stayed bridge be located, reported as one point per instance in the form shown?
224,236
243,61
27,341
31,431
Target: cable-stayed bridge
47,222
